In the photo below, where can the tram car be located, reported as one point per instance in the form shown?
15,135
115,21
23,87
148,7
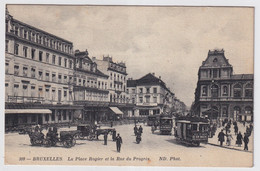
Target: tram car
166,124
191,130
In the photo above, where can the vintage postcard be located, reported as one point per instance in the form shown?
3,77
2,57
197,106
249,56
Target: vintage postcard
129,85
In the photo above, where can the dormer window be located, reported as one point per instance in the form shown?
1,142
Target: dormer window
215,60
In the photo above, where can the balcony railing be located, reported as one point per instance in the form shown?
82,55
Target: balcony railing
28,99
226,99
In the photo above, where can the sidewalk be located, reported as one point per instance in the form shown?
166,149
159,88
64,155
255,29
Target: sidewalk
214,140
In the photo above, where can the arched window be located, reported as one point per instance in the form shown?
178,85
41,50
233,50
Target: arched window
249,90
225,90
204,91
214,91
237,90
237,111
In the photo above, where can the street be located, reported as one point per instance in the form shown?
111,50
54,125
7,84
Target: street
154,149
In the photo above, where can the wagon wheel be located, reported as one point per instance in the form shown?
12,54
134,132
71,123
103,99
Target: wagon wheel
76,136
68,143
47,143
53,142
81,136
73,141
32,141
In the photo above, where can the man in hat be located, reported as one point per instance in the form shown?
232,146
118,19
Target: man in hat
118,143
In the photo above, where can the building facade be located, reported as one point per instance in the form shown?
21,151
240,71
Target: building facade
150,96
90,88
221,94
38,75
116,84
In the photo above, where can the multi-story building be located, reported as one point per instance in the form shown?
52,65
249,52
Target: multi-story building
116,84
38,75
150,96
90,88
221,94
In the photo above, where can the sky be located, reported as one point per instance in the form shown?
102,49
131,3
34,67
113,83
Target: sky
171,42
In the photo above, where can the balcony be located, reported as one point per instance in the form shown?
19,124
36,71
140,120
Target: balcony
24,99
205,99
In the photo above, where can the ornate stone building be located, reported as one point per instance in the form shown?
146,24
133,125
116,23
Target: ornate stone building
38,75
221,94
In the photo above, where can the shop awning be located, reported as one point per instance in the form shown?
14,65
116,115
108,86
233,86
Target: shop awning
27,111
116,110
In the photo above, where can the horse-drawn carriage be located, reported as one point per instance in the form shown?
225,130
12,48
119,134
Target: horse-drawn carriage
87,131
66,138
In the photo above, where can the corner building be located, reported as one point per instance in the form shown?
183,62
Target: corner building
38,76
220,94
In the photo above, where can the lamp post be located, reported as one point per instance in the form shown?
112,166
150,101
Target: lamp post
211,102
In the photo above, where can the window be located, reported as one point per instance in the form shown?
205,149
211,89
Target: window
59,61
16,70
65,79
64,115
215,73
16,31
147,99
249,91
237,91
6,67
40,75
140,90
40,55
53,77
225,90
6,45
224,111
16,49
155,90
65,93
53,115
204,91
214,91
33,72
70,115
25,71
65,62
25,51
47,76
147,90
25,34
33,37
70,64
33,53
141,99
53,59
59,78
47,57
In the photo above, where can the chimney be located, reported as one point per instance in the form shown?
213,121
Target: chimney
153,73
159,77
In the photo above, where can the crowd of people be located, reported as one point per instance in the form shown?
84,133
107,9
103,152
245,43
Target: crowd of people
240,139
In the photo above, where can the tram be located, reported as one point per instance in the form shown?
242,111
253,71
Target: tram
191,130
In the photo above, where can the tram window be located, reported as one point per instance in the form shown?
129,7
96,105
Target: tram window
194,127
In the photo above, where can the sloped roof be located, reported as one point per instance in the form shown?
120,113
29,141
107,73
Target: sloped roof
131,83
216,58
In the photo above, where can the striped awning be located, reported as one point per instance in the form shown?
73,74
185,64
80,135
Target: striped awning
27,111
116,110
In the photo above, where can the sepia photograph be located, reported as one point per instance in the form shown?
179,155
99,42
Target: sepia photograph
117,85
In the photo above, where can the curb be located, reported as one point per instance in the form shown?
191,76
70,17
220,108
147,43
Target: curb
229,148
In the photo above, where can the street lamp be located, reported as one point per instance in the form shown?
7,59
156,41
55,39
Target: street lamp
211,102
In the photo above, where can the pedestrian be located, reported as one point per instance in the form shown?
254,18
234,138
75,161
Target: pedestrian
221,137
114,135
244,123
105,138
227,128
119,141
140,130
248,131
246,140
235,129
251,127
135,130
239,139
229,137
